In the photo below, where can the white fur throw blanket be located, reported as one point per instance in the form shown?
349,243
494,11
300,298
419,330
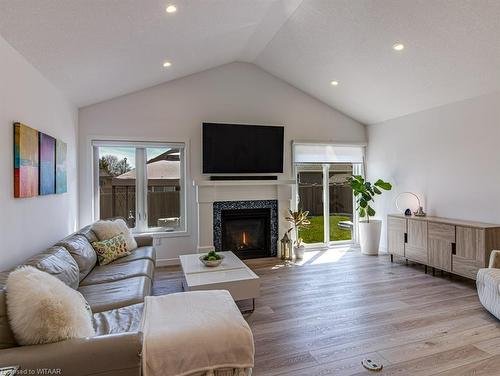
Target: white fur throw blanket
190,332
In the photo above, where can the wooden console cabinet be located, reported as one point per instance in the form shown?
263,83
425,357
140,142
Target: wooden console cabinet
456,246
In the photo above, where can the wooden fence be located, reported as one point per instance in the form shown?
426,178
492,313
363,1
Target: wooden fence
118,200
311,199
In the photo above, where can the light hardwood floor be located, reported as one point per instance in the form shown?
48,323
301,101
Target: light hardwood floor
324,317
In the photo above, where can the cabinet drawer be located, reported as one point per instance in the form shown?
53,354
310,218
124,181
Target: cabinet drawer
441,231
416,254
465,267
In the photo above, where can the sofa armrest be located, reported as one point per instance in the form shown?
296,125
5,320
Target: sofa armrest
116,354
494,260
144,240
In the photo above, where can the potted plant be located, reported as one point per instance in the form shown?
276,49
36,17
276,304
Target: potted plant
299,220
369,230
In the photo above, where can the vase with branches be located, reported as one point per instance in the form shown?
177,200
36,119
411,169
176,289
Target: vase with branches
299,220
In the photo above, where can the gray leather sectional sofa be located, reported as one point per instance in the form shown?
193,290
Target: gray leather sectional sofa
115,293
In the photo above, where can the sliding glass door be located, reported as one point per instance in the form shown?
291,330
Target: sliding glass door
310,198
340,207
324,192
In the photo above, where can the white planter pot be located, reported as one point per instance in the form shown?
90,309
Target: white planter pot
369,236
299,252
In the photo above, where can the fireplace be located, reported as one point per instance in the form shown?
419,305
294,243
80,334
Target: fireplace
247,228
246,232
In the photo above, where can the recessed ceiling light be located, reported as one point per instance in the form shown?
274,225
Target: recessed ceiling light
398,46
334,83
167,64
171,9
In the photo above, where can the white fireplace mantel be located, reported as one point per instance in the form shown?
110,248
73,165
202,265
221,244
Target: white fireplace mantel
208,192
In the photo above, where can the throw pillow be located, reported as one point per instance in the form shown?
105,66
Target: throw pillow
129,238
111,249
108,229
42,309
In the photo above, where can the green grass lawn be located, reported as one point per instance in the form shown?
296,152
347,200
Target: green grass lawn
314,233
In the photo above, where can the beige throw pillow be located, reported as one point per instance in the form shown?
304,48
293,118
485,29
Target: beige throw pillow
129,238
106,230
42,309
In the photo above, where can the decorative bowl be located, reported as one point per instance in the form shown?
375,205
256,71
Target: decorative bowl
212,263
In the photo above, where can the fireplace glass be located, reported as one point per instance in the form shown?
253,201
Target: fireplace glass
246,232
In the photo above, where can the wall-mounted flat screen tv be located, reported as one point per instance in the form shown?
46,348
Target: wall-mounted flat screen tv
238,148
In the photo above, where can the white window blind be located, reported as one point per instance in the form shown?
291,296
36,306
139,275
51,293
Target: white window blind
327,153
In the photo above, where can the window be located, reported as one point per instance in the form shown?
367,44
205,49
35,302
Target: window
141,182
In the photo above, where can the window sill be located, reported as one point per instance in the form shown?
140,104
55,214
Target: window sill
163,234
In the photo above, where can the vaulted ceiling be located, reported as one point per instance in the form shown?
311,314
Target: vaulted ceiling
94,50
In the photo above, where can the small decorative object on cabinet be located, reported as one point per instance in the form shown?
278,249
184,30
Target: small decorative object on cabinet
406,199
299,220
455,246
286,247
369,231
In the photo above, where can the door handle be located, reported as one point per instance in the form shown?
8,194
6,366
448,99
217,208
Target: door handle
453,248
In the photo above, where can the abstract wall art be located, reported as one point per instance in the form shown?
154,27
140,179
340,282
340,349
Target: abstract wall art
61,173
26,158
39,163
47,149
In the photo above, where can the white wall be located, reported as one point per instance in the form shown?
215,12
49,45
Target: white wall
237,92
27,226
449,156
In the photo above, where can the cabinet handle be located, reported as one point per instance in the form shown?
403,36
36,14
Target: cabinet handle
406,237
453,248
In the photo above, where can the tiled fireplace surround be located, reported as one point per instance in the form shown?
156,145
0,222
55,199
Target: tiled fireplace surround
240,194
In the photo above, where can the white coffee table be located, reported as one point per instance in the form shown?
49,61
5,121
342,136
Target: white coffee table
232,275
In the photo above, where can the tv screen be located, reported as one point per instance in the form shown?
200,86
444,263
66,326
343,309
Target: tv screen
229,148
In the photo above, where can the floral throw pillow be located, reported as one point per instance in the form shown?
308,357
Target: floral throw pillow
111,249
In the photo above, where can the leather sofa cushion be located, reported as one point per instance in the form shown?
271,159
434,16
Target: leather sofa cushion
120,320
115,272
83,253
6,337
58,262
140,253
88,233
110,295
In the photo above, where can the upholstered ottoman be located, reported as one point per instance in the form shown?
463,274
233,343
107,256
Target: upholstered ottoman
195,333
